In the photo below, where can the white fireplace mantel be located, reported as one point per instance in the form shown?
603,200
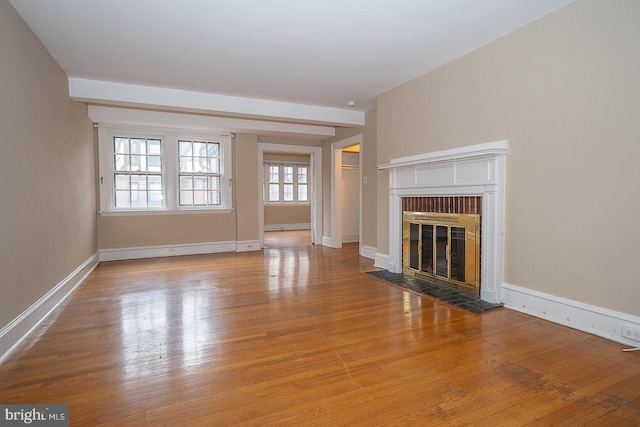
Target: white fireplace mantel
477,170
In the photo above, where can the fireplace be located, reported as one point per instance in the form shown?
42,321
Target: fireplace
444,248
446,205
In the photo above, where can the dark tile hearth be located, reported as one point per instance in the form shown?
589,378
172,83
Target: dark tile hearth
437,291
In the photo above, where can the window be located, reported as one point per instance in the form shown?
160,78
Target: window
303,184
287,183
274,183
150,169
199,173
137,172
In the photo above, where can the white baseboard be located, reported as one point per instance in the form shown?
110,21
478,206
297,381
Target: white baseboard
368,252
381,261
350,238
166,250
248,245
19,328
284,227
588,318
327,241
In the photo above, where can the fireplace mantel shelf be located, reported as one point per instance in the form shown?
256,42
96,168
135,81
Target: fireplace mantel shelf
490,149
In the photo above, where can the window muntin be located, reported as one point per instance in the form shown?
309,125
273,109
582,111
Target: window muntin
199,174
137,174
274,183
303,184
287,183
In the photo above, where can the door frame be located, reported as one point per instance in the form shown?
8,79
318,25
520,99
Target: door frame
335,238
315,154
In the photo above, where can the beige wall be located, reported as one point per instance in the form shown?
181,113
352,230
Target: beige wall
287,157
282,215
271,139
565,92
246,189
47,170
368,152
119,232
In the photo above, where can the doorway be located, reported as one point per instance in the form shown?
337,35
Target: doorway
314,188
337,191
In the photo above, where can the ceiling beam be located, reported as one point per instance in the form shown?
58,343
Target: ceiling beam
123,94
130,116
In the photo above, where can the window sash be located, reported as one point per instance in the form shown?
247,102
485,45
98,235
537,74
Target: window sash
138,190
199,177
137,173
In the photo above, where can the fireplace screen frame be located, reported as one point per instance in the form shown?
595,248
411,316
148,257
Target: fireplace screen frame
412,253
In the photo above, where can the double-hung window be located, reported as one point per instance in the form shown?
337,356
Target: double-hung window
200,177
148,169
287,183
137,174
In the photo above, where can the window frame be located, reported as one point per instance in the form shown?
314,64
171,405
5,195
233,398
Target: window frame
200,175
169,140
281,165
134,174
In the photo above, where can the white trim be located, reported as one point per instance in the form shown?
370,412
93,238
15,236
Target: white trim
188,211
588,318
18,329
283,227
336,188
166,250
132,95
101,114
315,189
327,241
248,245
477,170
471,151
381,261
368,252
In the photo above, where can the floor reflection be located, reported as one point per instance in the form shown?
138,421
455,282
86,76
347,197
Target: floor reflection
175,327
196,330
154,333
145,325
288,273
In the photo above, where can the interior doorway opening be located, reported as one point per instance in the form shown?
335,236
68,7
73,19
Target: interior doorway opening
340,216
286,193
295,179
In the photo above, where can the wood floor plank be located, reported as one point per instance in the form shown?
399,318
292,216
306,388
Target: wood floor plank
298,334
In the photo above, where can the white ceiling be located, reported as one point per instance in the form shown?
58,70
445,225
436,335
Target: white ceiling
236,55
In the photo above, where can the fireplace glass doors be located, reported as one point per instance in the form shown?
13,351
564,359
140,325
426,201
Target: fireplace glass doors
444,247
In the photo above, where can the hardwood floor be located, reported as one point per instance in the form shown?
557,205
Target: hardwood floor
298,335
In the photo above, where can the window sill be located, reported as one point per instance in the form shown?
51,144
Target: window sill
287,204
165,212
